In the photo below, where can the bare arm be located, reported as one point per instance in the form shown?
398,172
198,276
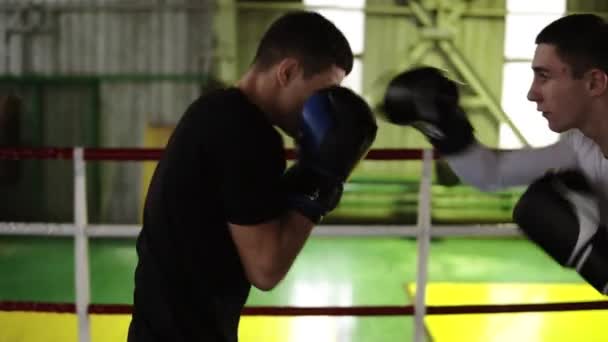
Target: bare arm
268,250
489,169
336,129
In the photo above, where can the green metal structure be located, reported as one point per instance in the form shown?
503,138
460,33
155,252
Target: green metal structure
105,108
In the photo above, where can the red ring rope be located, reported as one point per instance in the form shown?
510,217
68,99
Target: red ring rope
142,154
407,310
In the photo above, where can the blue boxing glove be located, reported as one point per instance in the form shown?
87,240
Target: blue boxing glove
337,129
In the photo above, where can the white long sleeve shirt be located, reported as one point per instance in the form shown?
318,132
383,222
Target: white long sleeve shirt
488,169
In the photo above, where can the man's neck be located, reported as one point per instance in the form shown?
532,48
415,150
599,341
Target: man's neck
253,85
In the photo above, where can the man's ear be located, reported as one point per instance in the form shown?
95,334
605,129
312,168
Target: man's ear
287,71
598,82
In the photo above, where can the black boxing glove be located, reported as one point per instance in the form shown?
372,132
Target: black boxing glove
428,101
560,213
336,131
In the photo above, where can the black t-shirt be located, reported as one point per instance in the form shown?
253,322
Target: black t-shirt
222,164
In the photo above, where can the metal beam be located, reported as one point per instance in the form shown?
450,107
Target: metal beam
475,82
390,10
457,59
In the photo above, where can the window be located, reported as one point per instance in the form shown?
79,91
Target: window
524,21
349,17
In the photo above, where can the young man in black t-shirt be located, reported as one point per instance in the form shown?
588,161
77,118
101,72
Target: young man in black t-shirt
217,216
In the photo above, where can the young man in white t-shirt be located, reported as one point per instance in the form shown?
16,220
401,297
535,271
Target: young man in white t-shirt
566,211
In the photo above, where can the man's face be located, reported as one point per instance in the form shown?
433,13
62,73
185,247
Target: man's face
299,89
563,100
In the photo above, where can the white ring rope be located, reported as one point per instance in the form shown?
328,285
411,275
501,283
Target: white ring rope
132,230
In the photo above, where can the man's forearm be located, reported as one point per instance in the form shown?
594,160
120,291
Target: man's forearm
294,232
489,169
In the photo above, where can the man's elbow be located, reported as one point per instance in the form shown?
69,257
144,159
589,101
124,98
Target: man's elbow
265,285
264,279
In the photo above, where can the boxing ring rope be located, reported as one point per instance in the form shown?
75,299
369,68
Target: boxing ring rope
131,231
82,231
368,310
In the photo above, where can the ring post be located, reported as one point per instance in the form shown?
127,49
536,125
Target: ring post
81,246
424,240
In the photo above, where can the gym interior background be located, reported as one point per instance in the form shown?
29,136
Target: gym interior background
120,73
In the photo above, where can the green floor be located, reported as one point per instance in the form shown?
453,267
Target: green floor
330,271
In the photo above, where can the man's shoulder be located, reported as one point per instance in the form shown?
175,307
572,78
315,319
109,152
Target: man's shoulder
224,107
578,140
222,98
585,148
